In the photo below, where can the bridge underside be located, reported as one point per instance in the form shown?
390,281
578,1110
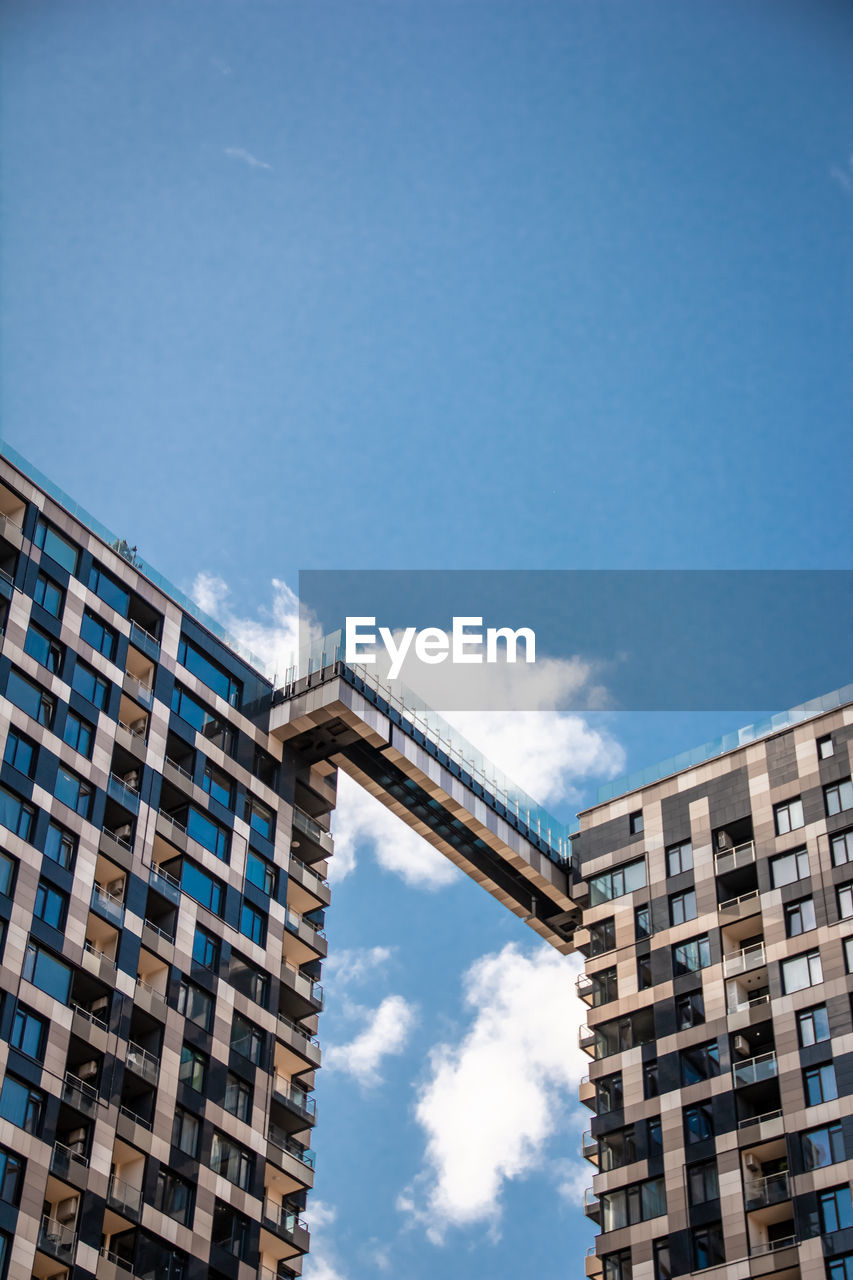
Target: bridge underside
331,722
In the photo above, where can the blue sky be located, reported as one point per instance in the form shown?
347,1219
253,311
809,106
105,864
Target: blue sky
435,283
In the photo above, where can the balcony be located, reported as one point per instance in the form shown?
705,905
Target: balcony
141,693
586,1093
306,826
120,790
68,1163
588,1041
108,904
751,957
592,1205
755,1070
144,641
763,1192
593,1266
124,1198
297,1038
287,1223
746,904
732,859
310,881
303,986
78,1094
142,1063
589,1147
295,1097
57,1240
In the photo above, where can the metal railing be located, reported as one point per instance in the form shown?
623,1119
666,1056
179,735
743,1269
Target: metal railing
179,768
157,873
143,639
152,991
56,1238
144,692
294,1094
64,1157
750,1003
155,928
119,782
299,1031
304,869
764,1118
295,922
752,1070
98,954
278,1138
306,824
110,903
752,957
731,903
90,1017
141,1061
173,822
772,1189
124,1196
303,984
134,733
135,1117
286,1220
771,1246
72,1085
125,841
115,1260
740,856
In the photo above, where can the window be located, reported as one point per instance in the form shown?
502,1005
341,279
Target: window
688,957
840,1268
819,1084
801,971
651,1084
261,873
173,1196
109,589
689,1010
663,1266
73,791
16,814
238,1097
90,685
21,1104
79,734
98,635
679,857
46,972
644,974
60,845
616,883
608,1093
698,1123
209,672
708,1248
700,1062
206,949
218,785
186,1129
635,1203
30,698
11,1177
603,986
825,749
788,816
602,936
204,888
265,768
702,1184
195,1004
813,1025
642,921
193,1068
654,1137
823,1146
232,1161
51,905
203,720
842,848
249,979
49,595
617,1149
788,867
20,753
800,917
231,1230
253,923
635,822
59,548
617,1266
208,833
29,1032
836,1209
260,817
41,646
8,867
682,906
838,797
845,901
247,1039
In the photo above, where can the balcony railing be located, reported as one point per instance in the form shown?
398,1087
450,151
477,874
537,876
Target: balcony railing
110,904
299,1031
762,997
589,1147
301,1100
145,1064
162,933
135,1117
309,827
730,859
122,835
772,1189
751,957
143,693
134,732
57,1239
306,986
753,1070
179,768
152,991
731,904
79,1094
124,1197
144,640
282,1219
116,1260
94,1018
765,1118
772,1246
172,822
63,1159
304,870
284,1142
591,1205
297,923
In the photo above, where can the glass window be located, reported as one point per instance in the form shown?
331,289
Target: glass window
246,1038
663,1266
702,1184
635,822
842,848
682,906
642,921
813,1025
840,1268
12,1169
231,1230
205,888
98,635
608,1093
73,791
823,1146
16,814
708,1248
602,936
635,1203
195,1004
825,749
79,734
46,651
109,589
203,720
838,797
644,975
260,817
20,753
206,949
617,1266
206,670
265,768
688,957
260,872
253,923
22,1105
788,867
8,867
654,1137
801,971
845,901
31,698
651,1084
700,1062
29,1032
819,1084
208,833
689,1010
193,1068
186,1129
59,548
698,1123
618,882
90,685
60,845
836,1209
232,1161
174,1197
249,979
218,785
51,905
49,595
799,917
238,1097
47,973
788,816
679,857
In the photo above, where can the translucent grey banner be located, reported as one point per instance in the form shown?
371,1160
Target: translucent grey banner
687,640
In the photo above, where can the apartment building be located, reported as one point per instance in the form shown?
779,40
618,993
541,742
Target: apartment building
718,931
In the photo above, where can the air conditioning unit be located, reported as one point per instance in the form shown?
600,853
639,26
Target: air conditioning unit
140,725
87,1070
740,1044
753,1164
99,1006
123,832
66,1210
116,887
724,841
58,1275
132,778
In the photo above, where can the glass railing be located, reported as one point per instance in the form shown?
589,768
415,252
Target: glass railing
772,1189
124,1197
751,957
298,1097
56,1238
754,1070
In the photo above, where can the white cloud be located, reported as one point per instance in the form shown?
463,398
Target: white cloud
245,157
492,1101
321,1263
273,635
361,819
350,966
385,1034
